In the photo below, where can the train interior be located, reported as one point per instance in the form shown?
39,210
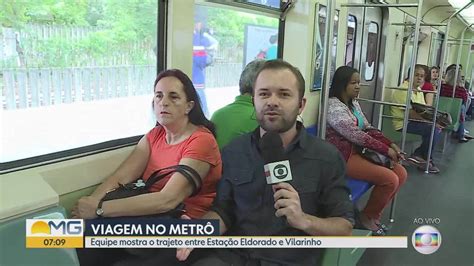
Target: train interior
56,150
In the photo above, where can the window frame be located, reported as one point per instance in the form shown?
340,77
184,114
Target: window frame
161,64
114,144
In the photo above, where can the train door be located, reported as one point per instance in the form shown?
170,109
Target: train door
365,26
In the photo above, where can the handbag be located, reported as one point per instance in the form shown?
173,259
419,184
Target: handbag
139,187
442,118
374,157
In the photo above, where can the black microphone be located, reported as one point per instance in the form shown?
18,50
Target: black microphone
277,167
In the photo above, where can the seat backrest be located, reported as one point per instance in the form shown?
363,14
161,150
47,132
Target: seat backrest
453,107
390,132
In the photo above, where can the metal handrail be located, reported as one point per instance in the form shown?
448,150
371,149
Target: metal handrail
381,102
379,5
421,24
404,89
414,120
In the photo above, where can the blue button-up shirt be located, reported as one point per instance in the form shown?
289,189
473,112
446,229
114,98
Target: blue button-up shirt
245,202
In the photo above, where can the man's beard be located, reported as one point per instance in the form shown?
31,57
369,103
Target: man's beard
282,125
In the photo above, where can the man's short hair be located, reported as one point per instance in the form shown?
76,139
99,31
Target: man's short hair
248,76
453,66
278,64
450,75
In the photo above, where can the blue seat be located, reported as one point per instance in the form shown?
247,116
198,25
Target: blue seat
312,130
357,187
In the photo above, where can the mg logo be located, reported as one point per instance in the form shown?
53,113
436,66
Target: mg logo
55,227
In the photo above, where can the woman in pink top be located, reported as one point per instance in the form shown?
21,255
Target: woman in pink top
347,128
180,121
182,135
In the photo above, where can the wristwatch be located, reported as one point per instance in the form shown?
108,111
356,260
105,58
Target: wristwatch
99,211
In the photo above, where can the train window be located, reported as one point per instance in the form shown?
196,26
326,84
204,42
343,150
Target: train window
350,41
224,41
268,3
320,46
76,76
371,56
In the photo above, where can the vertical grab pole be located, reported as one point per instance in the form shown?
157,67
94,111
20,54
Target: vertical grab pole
412,72
327,68
438,92
408,99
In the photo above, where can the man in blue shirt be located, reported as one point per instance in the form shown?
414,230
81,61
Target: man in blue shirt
316,202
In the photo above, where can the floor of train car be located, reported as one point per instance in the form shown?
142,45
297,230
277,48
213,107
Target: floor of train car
448,196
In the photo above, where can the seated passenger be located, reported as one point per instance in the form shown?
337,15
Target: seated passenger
348,128
316,202
238,117
427,87
462,93
183,135
421,126
434,76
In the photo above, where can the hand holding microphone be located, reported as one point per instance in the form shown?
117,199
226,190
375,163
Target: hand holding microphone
278,172
288,204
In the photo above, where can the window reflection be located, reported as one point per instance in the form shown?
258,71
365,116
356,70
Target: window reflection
224,41
350,41
371,55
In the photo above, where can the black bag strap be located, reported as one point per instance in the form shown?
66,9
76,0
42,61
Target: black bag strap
159,174
192,176
188,172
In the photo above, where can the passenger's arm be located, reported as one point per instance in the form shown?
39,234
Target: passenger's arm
340,120
416,116
129,171
183,253
221,210
429,99
212,215
222,206
332,226
400,97
176,190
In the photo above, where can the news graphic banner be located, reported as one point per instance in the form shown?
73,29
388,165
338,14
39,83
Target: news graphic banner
171,233
54,233
245,242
